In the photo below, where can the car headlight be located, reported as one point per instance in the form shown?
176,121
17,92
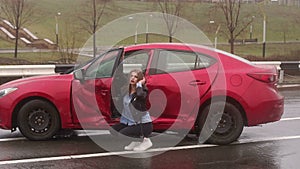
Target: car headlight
6,91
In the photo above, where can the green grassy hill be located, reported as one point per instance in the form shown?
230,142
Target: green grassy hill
283,23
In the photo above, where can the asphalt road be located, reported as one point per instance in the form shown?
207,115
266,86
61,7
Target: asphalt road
270,146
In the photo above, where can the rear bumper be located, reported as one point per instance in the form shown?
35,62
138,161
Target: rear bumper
265,112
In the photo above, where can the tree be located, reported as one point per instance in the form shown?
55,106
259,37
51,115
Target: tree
19,13
171,10
235,26
68,43
91,17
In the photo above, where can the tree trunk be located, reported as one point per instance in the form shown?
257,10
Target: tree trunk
94,45
232,46
170,39
16,43
231,43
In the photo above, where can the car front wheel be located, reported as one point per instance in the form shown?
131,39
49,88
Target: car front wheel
220,123
38,120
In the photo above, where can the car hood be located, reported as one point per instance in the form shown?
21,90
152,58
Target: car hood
35,79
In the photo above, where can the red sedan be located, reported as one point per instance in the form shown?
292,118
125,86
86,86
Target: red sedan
192,88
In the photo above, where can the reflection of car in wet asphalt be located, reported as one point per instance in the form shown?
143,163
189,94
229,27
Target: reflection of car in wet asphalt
272,146
192,88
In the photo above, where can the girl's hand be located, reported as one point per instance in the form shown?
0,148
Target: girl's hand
143,81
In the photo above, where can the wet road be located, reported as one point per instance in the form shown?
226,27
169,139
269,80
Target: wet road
270,146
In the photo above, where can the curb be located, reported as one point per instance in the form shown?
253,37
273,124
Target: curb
288,86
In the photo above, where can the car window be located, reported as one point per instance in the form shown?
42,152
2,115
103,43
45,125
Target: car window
103,67
175,61
135,60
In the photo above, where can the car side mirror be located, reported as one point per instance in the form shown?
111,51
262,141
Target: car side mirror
79,75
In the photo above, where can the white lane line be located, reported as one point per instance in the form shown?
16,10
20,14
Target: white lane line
289,119
12,139
81,134
104,132
69,157
246,141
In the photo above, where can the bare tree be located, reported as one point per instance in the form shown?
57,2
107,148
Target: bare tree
234,24
171,10
90,17
68,43
19,13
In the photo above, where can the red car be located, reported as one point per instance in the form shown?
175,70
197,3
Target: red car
192,88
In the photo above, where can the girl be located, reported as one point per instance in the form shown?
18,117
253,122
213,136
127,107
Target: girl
135,120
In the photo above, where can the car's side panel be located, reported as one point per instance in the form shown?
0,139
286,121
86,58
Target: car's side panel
91,100
42,88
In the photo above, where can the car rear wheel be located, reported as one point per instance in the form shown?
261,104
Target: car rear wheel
38,120
220,123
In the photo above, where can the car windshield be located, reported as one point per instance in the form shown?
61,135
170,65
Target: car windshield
83,61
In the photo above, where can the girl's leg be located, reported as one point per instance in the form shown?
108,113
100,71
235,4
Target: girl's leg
131,131
115,129
147,129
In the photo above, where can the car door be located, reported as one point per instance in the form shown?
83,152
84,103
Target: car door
92,96
135,59
177,81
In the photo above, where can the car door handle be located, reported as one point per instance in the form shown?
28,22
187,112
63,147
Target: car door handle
197,82
103,92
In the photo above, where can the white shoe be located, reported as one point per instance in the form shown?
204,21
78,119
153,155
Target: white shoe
146,144
132,145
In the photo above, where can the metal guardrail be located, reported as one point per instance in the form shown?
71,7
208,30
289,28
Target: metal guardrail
32,70
26,70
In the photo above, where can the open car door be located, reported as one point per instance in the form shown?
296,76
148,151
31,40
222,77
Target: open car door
91,93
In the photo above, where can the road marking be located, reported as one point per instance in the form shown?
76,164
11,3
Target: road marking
12,139
83,133
246,141
70,157
289,119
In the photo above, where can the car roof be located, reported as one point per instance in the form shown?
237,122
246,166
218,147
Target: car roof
182,46
186,46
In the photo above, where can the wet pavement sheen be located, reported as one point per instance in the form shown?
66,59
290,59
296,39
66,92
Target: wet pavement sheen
270,146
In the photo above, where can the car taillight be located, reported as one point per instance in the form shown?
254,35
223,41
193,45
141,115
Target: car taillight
264,77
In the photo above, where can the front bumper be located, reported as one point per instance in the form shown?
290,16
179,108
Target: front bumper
6,109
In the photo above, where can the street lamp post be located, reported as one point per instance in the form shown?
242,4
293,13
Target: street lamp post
136,34
216,33
251,31
264,36
136,30
147,29
251,27
56,27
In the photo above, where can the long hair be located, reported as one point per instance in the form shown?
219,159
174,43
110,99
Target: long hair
140,76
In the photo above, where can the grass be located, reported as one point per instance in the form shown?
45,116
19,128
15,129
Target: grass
282,25
273,51
32,58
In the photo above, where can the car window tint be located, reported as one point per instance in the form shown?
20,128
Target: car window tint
175,61
204,61
135,60
102,67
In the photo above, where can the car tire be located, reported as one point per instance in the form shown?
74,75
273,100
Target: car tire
220,123
38,120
